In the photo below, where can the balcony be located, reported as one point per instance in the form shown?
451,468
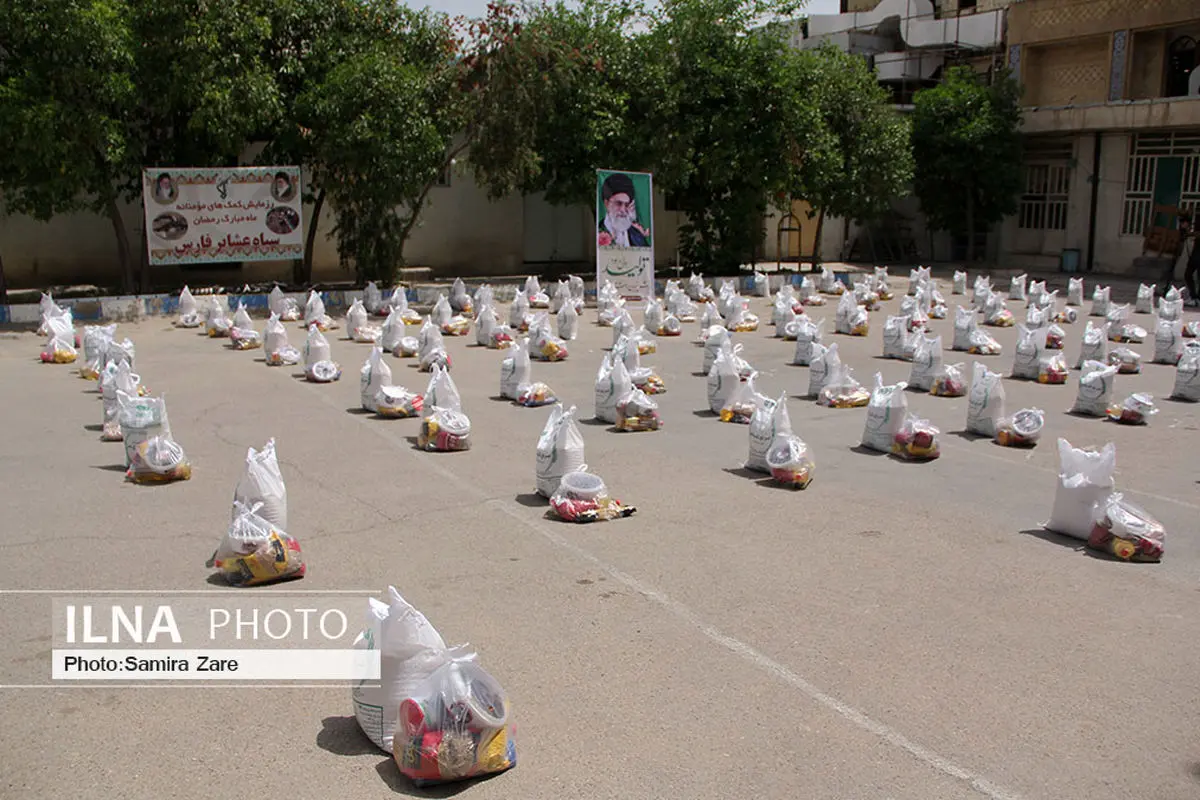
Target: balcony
1122,115
915,24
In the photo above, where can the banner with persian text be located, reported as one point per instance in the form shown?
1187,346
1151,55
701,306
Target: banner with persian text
625,232
224,214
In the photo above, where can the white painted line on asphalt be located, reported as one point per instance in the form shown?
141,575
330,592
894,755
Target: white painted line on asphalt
736,646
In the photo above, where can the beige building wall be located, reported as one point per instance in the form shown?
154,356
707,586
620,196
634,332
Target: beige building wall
1067,73
1037,21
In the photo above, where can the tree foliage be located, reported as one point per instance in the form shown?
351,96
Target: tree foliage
967,149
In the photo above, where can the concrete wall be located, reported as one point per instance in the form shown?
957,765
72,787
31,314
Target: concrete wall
1146,65
1068,73
1034,21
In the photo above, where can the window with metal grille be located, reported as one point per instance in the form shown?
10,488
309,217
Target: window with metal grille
1145,150
1044,203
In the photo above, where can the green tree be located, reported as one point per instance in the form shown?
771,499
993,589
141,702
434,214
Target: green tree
967,148
863,159
722,121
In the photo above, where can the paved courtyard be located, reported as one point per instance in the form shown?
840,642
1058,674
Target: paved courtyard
895,631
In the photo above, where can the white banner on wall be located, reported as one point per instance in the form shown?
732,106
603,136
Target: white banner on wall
223,214
625,232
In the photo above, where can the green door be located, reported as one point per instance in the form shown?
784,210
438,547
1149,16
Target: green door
1167,184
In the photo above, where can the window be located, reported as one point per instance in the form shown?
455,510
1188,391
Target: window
1044,203
1163,168
1181,60
966,5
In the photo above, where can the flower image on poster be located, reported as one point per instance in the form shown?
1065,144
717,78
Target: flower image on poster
625,232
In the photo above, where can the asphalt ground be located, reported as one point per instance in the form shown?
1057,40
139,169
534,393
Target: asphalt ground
897,630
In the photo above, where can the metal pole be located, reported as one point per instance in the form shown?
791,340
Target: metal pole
1091,256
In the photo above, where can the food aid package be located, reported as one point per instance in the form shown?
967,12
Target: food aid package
718,338
739,320
710,316
808,336
1191,330
443,430
780,308
262,485
1170,305
886,412
964,325
723,378
159,459
1036,317
286,308
441,392
373,298
120,352
842,390
357,327
983,344
96,339
790,462
1126,531
1187,375
1075,291
374,375
1100,301
1037,296
392,331
785,324
1168,341
1052,368
559,449
1135,410
546,346
532,286
1022,429
397,402
456,725
141,418
637,411
216,324
849,316
1085,478
741,403
653,315
51,311
1092,348
319,367
985,401
643,378
995,313
1016,288
515,370
431,348
883,286
568,322
59,349
1120,330
535,395
981,291
1128,362
1095,389
865,296
960,282
917,440
808,292
1055,337
399,303
484,296
828,283
1031,343
410,347
697,290
582,497
189,312
926,361
487,323
612,383
949,381
460,301
560,297
897,341
917,278
275,344
680,306
770,420
762,286
825,362
314,313
1144,304
110,429
410,650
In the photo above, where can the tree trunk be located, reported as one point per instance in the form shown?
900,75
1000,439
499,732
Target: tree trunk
970,228
3,284
816,259
123,254
302,275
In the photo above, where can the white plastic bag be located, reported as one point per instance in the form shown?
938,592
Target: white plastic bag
1170,305
411,650
824,364
985,401
431,348
1085,478
441,313
1168,341
141,418
612,383
981,292
718,337
885,415
897,341
1100,301
275,344
769,421
187,307
285,308
926,361
808,334
1031,344
441,393
960,282
568,321
1095,389
1187,374
357,326
723,379
372,298
515,370
314,312
1075,292
964,325
1016,288
460,301
316,348
559,449
1093,344
262,485
1145,299
762,286
374,375
393,330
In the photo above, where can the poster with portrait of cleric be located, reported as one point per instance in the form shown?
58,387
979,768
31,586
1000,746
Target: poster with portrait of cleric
225,214
625,232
